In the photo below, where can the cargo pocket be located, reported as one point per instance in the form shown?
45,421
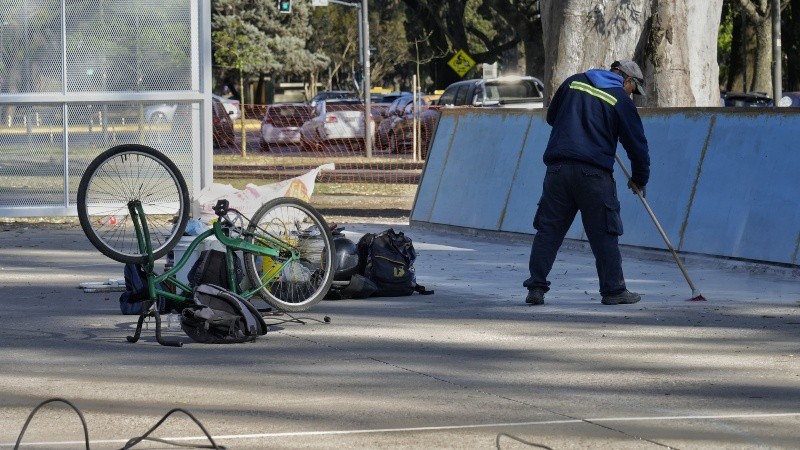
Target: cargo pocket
613,220
536,216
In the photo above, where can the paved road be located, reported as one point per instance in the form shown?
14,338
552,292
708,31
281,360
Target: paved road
463,368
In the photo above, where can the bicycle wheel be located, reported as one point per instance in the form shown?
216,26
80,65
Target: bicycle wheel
303,271
127,173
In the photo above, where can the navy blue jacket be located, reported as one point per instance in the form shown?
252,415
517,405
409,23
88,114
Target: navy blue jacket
590,112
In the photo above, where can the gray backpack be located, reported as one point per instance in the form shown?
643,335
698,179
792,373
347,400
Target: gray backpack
219,316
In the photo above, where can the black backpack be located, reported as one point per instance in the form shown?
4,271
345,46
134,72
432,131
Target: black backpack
219,316
211,268
387,259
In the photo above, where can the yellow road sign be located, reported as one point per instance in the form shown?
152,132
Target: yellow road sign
461,63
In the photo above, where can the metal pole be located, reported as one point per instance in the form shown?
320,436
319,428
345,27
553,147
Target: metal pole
415,115
696,295
360,37
367,106
777,76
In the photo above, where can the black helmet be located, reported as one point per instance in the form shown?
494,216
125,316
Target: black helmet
346,258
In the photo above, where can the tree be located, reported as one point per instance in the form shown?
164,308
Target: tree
666,55
277,43
469,25
759,16
336,35
524,18
237,50
579,35
388,39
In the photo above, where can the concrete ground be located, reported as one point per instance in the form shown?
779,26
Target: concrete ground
469,367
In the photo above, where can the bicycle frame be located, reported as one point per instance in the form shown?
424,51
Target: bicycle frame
271,249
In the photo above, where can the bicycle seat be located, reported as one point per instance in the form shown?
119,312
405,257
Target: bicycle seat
221,208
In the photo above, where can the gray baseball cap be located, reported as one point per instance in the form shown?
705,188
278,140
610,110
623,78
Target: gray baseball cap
632,70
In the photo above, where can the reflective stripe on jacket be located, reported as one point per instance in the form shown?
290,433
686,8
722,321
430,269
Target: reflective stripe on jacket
590,112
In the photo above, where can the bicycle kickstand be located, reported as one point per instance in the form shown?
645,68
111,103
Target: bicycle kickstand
148,311
138,332
160,339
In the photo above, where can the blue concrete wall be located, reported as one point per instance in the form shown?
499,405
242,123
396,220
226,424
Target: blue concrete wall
723,180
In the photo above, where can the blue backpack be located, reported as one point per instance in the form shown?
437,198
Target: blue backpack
130,302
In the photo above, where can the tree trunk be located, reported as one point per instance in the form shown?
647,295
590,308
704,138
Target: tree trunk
758,13
665,53
580,34
703,19
738,56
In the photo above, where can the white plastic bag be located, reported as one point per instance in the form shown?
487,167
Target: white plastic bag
248,200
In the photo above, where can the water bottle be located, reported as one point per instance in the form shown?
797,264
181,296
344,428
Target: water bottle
173,321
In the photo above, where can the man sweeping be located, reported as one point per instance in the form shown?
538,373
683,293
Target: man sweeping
590,113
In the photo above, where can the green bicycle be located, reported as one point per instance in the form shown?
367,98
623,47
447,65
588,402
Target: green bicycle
133,206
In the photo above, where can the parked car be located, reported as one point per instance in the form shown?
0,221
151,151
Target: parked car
388,117
160,113
750,99
390,97
231,106
333,95
509,92
401,135
281,124
222,129
790,99
380,103
336,122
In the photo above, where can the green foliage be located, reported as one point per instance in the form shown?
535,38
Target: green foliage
725,43
483,28
388,38
321,44
242,46
252,36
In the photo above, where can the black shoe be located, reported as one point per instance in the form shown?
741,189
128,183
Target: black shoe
535,297
625,297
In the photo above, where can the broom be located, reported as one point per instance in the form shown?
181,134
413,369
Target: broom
696,295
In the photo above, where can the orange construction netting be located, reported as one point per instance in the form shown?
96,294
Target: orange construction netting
286,139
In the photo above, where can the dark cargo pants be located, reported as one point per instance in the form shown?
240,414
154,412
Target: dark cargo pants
569,188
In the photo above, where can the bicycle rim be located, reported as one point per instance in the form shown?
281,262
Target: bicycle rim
295,284
124,174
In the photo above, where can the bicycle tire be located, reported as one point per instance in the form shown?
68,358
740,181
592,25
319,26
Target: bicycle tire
302,284
123,174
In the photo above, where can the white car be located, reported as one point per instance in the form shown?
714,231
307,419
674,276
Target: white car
281,124
231,105
160,113
337,122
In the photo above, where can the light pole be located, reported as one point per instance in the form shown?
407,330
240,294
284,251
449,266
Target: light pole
367,87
